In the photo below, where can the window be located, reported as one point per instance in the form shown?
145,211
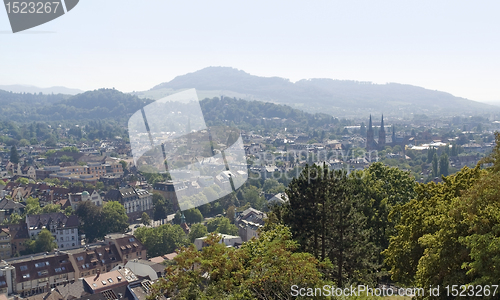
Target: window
79,258
23,268
110,280
26,276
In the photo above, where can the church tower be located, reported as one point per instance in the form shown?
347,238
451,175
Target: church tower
381,135
370,139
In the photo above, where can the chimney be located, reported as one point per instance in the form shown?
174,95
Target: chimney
97,275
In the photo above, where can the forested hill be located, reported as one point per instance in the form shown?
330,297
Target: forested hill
110,104
91,105
340,98
256,114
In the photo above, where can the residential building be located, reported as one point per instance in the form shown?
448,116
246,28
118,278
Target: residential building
135,200
127,245
5,246
248,222
34,275
63,228
93,259
8,207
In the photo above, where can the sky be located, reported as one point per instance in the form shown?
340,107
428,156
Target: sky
451,46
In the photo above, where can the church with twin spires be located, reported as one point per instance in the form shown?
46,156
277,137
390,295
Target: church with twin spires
380,144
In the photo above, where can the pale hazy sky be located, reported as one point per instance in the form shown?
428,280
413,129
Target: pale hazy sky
452,46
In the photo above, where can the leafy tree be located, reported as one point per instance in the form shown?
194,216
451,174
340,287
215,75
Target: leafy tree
222,225
78,184
230,214
388,188
145,219
99,186
68,211
23,180
32,206
273,186
91,223
124,164
193,215
265,268
197,230
161,206
49,208
114,217
163,239
14,218
66,158
23,143
44,242
14,156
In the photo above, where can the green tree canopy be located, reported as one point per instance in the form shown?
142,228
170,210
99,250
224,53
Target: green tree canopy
14,156
145,219
163,239
114,217
264,268
197,230
222,225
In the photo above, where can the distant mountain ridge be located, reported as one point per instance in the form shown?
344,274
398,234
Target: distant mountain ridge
340,98
20,88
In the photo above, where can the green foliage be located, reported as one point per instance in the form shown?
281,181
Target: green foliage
49,208
32,206
329,216
114,217
70,149
23,180
272,186
14,156
193,215
124,164
44,242
222,225
230,214
66,158
197,230
161,206
90,217
145,219
265,268
97,221
14,218
450,233
163,239
68,211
